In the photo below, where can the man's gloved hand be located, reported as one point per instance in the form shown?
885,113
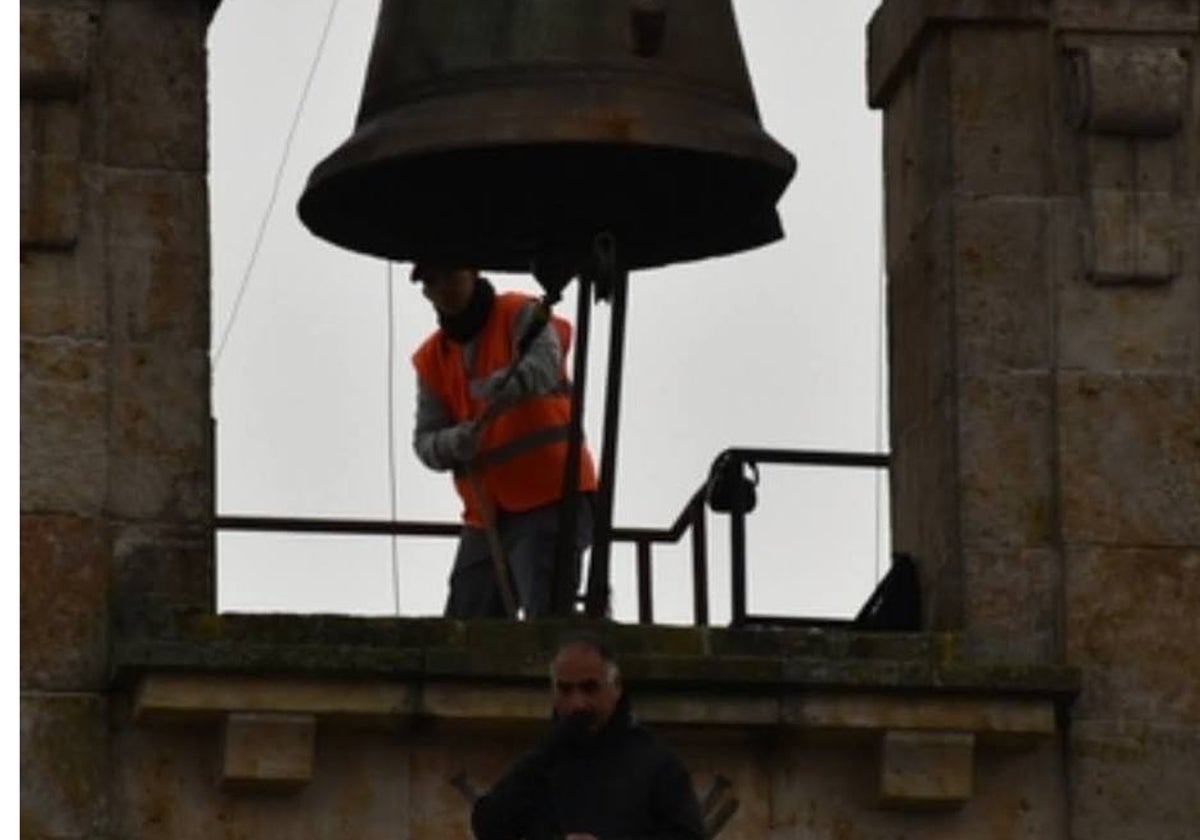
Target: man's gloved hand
460,442
490,390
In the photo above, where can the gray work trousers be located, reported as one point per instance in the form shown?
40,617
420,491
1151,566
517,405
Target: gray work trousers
530,542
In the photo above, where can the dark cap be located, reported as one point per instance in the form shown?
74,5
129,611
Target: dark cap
422,267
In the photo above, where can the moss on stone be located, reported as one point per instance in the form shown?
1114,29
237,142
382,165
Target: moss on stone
504,651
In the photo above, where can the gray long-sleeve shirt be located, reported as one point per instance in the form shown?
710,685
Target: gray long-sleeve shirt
538,373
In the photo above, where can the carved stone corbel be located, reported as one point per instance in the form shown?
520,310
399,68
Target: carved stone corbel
1128,104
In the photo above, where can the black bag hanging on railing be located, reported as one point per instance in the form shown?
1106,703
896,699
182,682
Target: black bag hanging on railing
895,605
730,489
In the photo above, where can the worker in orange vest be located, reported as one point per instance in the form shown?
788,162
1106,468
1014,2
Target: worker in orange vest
505,439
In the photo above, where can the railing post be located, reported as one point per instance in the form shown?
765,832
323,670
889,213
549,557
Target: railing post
598,570
645,583
565,585
737,549
699,563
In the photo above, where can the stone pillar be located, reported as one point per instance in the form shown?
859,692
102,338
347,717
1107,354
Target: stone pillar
967,94
1042,164
116,462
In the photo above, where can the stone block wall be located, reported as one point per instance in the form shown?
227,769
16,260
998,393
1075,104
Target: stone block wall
116,461
383,728
1041,162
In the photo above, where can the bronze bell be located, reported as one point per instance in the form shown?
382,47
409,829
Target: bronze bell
492,131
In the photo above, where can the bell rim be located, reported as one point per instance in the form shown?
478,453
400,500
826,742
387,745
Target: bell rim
635,123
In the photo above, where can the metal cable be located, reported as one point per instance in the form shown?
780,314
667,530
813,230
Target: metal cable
287,150
879,329
391,435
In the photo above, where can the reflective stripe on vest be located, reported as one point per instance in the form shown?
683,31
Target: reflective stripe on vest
524,443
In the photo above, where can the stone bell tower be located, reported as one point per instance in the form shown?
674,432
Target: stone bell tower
1042,163
1042,166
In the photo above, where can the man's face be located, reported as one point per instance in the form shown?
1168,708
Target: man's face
448,289
584,685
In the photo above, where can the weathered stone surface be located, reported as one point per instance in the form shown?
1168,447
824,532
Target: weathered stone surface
1132,89
168,779
923,405
268,752
52,184
1132,626
411,634
155,100
925,522
926,770
159,295
61,296
698,710
1015,719
1122,328
820,791
1003,306
63,290
999,88
440,811
925,518
50,201
1130,459
731,779
182,698
898,28
1128,15
1006,440
454,701
916,148
64,603
64,765
64,434
461,730
52,127
1012,601
920,324
1116,163
56,45
1131,238
1134,780
158,211
162,565
161,454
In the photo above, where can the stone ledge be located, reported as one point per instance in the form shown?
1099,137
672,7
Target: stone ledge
182,699
190,698
926,740
266,684
898,26
505,653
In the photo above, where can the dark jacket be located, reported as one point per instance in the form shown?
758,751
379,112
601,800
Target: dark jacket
621,784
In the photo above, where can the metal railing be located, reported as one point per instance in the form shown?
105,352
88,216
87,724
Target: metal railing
693,519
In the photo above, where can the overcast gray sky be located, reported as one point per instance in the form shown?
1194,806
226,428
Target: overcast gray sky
776,347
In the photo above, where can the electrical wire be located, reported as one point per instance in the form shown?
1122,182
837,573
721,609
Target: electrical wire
287,151
391,435
880,303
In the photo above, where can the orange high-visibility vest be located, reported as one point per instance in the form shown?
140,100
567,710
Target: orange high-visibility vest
523,449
